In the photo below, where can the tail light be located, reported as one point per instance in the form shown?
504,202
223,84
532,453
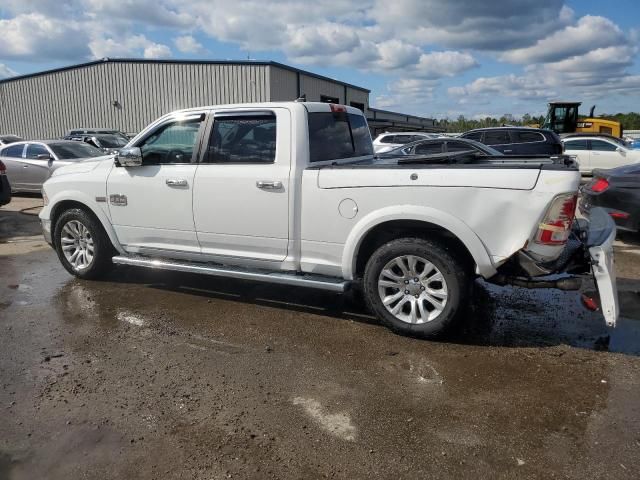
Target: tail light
556,225
3,169
335,108
599,186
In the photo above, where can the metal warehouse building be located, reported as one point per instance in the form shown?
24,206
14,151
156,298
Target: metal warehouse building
128,94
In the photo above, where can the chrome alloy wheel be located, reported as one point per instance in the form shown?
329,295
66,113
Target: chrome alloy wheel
412,289
77,244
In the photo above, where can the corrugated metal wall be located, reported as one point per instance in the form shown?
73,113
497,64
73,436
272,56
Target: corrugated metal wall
284,85
313,88
359,96
46,106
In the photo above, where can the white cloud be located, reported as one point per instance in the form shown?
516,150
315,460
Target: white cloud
444,64
6,72
588,34
132,46
480,25
37,37
156,50
188,44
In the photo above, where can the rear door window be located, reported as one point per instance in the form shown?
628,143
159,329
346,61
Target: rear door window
496,137
477,136
530,137
247,138
402,139
453,147
388,139
14,151
336,135
428,148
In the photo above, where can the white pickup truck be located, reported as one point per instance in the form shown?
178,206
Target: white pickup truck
291,193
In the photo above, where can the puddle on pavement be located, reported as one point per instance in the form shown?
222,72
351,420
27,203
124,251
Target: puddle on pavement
518,317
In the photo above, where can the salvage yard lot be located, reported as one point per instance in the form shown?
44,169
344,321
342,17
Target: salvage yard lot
162,375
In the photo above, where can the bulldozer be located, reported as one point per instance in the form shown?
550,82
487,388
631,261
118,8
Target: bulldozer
562,118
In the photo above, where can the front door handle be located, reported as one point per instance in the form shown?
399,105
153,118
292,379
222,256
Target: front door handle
173,182
268,185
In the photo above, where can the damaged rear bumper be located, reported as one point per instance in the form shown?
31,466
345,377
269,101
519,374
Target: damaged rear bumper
588,252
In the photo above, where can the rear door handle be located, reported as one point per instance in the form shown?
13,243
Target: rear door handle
268,185
173,182
508,151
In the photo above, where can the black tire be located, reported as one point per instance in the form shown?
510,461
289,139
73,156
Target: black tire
103,250
457,286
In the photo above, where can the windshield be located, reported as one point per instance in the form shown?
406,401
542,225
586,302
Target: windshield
112,141
71,150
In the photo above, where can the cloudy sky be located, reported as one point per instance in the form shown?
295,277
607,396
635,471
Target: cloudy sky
429,57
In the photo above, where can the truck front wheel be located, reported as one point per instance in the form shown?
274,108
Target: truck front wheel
415,286
82,245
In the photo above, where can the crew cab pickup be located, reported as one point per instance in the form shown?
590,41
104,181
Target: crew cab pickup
291,193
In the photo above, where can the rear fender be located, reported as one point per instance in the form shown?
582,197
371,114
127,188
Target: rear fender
457,227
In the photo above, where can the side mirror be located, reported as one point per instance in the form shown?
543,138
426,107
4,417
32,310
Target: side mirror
43,156
621,151
129,157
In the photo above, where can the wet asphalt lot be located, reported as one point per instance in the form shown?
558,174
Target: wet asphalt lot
159,375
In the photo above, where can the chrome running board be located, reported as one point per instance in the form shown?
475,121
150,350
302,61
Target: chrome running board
284,278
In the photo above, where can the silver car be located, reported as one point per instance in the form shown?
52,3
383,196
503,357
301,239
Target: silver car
30,163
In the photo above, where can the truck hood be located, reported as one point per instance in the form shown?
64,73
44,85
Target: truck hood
81,165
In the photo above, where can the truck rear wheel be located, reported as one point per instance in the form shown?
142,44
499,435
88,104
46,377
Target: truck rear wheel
415,286
82,245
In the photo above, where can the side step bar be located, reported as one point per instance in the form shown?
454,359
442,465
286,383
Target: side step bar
301,280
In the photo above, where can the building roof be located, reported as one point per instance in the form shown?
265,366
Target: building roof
185,62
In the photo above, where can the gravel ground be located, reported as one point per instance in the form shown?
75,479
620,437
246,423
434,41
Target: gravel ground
158,375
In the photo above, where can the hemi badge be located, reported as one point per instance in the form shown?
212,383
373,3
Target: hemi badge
101,199
118,200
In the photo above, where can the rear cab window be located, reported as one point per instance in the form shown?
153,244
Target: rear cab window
338,135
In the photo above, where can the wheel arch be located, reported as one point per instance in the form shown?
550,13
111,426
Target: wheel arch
382,226
66,202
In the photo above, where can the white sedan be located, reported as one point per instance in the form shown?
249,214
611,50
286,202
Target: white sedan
599,152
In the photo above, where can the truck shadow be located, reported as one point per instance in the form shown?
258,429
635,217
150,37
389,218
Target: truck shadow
496,316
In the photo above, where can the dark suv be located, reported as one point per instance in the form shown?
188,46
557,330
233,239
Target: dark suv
518,140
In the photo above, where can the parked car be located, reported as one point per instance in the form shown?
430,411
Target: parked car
7,139
518,140
442,145
596,151
617,191
30,163
107,142
95,131
291,193
5,187
390,140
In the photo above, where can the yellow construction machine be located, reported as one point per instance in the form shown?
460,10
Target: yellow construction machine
563,118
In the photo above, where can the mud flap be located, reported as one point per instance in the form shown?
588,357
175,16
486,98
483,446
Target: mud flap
604,272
